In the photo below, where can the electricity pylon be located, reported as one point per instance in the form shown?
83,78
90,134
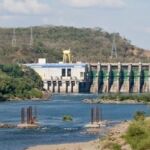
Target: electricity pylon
14,41
31,37
114,48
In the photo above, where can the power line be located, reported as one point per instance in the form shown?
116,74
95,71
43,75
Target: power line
14,41
31,37
114,48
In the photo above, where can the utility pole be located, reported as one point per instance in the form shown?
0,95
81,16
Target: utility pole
31,37
114,47
14,41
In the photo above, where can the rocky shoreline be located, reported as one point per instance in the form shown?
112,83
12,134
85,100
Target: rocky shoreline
113,137
46,96
108,101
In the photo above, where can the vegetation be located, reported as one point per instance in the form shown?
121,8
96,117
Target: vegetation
19,82
139,115
138,133
67,118
112,146
116,146
122,97
50,40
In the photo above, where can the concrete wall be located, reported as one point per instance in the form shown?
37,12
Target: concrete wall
121,77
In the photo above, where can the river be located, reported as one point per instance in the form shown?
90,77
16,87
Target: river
53,129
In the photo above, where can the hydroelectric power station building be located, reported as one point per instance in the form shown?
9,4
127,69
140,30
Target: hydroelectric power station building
61,77
95,78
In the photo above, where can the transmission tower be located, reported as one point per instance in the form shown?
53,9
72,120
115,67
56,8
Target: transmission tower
31,37
114,48
14,41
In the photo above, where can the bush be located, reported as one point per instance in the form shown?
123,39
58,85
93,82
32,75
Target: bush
116,146
139,115
138,135
121,97
19,82
35,93
67,118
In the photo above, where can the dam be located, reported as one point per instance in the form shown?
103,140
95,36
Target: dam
120,77
94,77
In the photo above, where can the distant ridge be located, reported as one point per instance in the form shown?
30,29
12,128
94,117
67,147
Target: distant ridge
87,45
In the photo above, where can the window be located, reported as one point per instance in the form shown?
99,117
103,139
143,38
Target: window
63,72
69,72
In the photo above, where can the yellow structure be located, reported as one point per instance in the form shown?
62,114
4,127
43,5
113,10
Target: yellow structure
67,56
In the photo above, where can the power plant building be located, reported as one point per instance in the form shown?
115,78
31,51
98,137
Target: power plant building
61,77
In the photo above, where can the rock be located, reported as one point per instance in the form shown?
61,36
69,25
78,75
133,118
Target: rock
2,125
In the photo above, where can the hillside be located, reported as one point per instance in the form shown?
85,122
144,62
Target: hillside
87,45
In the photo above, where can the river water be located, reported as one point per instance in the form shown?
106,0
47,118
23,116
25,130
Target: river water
53,129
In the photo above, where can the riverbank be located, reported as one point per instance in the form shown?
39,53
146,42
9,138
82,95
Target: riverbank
108,101
46,95
113,138
120,98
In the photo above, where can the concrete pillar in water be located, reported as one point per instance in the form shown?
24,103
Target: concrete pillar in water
149,80
108,77
63,87
56,86
22,115
45,85
118,77
50,84
97,77
97,115
72,86
35,113
129,77
139,77
94,115
92,112
89,71
28,116
69,86
76,87
54,89
59,86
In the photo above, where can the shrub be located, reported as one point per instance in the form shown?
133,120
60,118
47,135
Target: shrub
116,146
139,115
67,118
138,135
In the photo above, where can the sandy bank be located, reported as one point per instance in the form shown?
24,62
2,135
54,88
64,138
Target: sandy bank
93,145
114,136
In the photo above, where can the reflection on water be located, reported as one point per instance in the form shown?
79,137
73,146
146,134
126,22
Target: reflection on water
53,129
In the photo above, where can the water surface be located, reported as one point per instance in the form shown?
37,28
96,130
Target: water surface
53,129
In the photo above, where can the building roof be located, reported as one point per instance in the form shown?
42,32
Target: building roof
56,65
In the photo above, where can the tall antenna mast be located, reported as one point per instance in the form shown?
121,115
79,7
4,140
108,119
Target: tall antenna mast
114,48
14,38
31,37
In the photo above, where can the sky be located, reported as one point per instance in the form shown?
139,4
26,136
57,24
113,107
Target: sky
130,18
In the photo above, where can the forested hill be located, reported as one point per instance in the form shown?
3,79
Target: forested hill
87,45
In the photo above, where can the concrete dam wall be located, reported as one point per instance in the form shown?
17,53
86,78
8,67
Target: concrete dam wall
95,78
120,77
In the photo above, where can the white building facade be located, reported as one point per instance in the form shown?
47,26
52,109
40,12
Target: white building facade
61,77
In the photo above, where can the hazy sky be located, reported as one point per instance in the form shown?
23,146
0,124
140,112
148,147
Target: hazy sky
131,18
